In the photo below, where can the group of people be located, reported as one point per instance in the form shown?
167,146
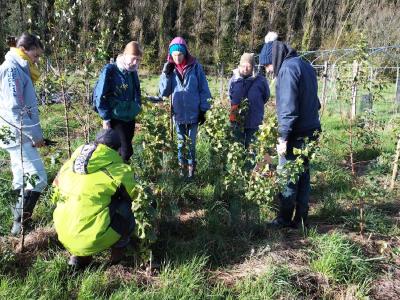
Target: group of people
93,190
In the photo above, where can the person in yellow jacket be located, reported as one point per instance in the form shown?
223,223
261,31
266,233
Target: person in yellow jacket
93,192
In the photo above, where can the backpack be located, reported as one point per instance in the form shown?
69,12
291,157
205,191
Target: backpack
92,98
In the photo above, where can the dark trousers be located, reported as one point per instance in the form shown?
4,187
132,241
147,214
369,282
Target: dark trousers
295,196
125,131
122,217
245,136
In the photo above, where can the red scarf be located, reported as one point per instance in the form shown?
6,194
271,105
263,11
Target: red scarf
181,67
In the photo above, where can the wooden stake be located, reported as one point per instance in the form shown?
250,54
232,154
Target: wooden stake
397,91
354,90
324,86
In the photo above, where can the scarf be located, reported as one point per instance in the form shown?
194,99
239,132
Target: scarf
33,69
122,65
181,67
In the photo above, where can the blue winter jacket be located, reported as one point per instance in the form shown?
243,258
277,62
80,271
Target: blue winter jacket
297,100
188,97
258,94
117,94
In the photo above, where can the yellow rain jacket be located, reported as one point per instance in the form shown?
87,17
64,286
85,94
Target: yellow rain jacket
83,191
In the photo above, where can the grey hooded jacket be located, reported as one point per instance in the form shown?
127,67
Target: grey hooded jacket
18,100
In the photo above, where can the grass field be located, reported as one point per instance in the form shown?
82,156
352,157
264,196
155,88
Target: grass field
210,247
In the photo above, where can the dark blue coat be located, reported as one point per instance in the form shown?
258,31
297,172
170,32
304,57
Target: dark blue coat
188,97
117,94
258,94
297,100
262,58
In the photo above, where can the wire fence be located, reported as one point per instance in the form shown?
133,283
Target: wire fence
328,64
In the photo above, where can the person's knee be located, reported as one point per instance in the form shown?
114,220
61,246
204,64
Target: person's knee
41,182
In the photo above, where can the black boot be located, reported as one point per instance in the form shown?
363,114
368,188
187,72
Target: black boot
30,199
284,217
300,217
117,254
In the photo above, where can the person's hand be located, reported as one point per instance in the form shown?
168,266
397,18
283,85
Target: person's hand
168,68
107,124
202,117
281,147
39,144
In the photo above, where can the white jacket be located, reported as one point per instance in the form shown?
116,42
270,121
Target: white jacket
18,99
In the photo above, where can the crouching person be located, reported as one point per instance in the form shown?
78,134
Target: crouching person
93,194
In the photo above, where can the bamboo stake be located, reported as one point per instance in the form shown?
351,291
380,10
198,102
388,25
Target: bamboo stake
397,91
66,119
23,183
395,165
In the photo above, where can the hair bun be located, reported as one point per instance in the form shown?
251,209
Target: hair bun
11,41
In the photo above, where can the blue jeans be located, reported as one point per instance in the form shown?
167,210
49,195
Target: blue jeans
187,134
245,137
295,196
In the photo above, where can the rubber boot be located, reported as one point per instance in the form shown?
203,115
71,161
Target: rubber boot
284,218
117,254
17,225
30,199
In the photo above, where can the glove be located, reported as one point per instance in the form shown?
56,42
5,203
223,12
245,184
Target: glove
49,142
281,147
233,113
106,124
202,117
168,68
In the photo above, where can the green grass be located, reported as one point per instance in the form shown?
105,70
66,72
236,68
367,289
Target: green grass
221,237
340,260
276,283
374,220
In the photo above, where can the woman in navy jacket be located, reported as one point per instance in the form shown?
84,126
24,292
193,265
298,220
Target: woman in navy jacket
245,85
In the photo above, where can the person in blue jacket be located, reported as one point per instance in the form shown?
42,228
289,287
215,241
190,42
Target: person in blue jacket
183,78
297,107
246,85
117,96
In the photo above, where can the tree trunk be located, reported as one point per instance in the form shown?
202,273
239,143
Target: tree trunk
253,29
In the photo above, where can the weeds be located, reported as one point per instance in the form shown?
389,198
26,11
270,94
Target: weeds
340,260
276,283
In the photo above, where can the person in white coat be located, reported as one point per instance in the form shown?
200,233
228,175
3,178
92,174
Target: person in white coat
19,117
